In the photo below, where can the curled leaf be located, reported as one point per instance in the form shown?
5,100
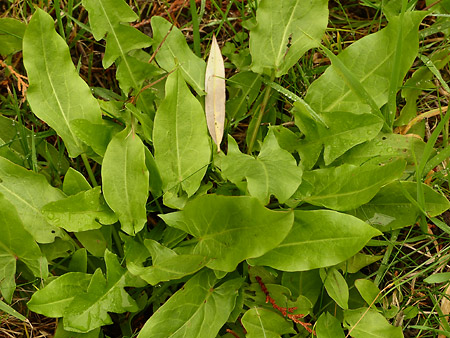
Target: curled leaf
215,93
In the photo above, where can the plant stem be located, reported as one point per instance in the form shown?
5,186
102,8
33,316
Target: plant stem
89,169
260,115
195,28
117,240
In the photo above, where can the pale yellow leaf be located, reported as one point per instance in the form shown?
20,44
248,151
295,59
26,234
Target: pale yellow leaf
215,93
445,308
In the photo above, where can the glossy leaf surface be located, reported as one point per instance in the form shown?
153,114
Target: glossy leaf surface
390,208
331,93
16,243
285,30
125,180
181,142
175,51
196,310
347,187
302,249
166,264
11,35
54,298
231,229
89,310
261,322
57,94
273,172
86,210
370,324
29,192
215,93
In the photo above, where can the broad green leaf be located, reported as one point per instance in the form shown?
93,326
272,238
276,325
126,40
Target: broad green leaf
231,229
78,261
347,187
16,243
366,323
357,262
303,247
181,142
61,333
305,283
155,183
215,93
336,286
385,147
368,290
29,192
198,309
95,241
390,208
95,135
166,264
371,61
439,277
11,35
328,326
89,310
109,17
345,130
175,52
125,180
57,95
74,182
58,249
273,172
243,89
260,322
54,299
285,30
86,210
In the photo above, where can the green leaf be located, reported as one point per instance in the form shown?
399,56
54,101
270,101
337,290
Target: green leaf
11,35
302,249
175,52
345,130
357,262
89,310
125,180
141,70
438,278
75,182
285,30
86,210
305,283
198,309
273,172
336,286
331,92
242,228
390,208
57,95
95,241
61,333
383,148
347,187
181,141
368,290
106,17
16,243
328,326
9,310
243,89
155,182
366,323
166,264
95,135
54,299
29,192
260,322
